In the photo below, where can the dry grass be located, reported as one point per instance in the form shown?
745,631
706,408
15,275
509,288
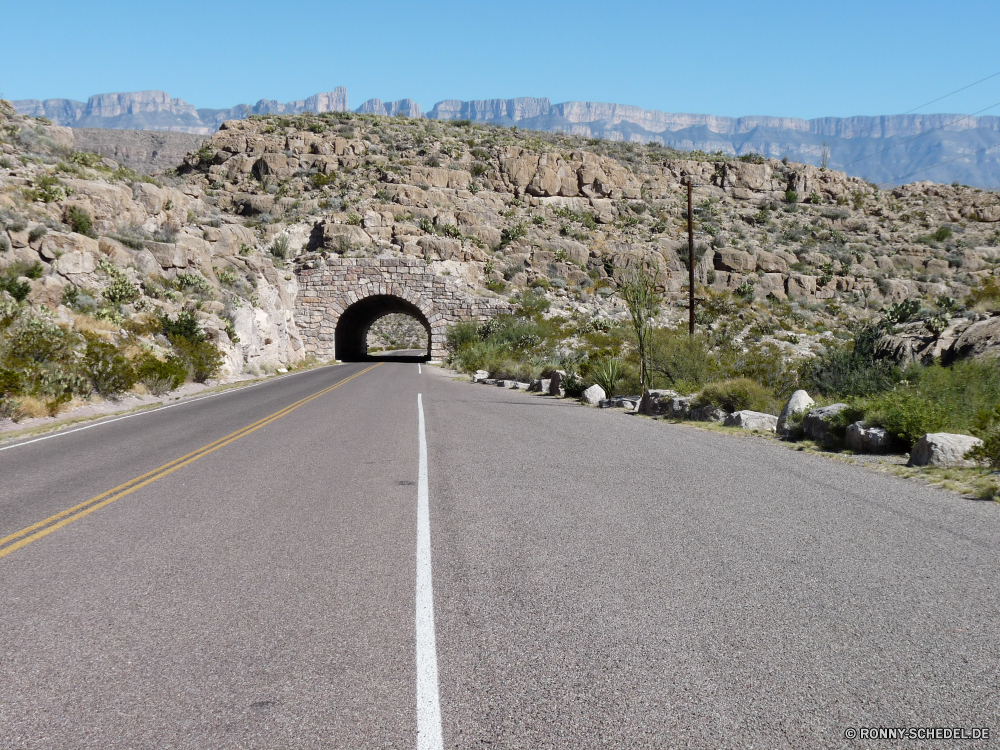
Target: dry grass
30,407
87,324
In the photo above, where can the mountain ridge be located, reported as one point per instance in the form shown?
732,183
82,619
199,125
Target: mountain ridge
876,147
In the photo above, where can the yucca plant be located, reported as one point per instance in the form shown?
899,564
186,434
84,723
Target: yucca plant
608,373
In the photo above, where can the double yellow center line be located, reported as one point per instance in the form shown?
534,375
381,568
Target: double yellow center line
36,531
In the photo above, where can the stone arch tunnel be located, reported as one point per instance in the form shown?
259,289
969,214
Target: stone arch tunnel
351,334
337,304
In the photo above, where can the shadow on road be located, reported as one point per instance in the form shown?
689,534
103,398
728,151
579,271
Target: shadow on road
399,355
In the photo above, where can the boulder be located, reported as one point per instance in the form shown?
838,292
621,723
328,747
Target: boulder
654,403
619,402
797,402
593,395
982,338
861,439
540,385
943,449
816,425
752,420
479,375
708,413
75,263
556,387
730,259
679,407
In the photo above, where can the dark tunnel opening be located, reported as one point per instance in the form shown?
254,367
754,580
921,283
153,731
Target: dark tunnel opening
351,336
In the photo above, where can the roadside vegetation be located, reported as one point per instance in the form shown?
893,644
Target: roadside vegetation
44,366
735,372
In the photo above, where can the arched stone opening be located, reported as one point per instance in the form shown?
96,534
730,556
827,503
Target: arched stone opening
351,335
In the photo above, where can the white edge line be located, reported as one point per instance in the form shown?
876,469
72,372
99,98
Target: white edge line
419,371
429,735
155,409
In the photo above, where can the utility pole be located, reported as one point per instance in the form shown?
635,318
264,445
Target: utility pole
690,261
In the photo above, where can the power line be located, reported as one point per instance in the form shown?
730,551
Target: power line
932,101
949,161
921,135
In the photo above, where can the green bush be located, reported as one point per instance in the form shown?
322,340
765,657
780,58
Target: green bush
961,398
79,220
16,289
184,325
683,361
608,374
852,370
110,371
161,376
907,415
121,291
203,358
47,188
736,395
281,247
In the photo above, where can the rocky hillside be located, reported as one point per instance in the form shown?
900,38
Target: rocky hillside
799,252
878,148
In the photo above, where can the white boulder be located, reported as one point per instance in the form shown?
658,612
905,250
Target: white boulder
943,449
593,395
752,420
798,402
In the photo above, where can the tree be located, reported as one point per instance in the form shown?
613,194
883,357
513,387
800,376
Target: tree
637,288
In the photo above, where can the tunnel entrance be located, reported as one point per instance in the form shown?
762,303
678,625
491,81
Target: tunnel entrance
351,336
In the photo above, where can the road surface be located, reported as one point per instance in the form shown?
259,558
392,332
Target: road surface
244,571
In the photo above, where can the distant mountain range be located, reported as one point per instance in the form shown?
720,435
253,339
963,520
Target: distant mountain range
885,149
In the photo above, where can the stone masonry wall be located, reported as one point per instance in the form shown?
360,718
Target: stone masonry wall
325,293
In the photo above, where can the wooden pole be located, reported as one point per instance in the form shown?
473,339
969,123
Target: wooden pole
690,262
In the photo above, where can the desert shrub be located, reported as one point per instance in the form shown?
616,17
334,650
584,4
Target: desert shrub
906,414
763,363
183,325
791,196
160,376
607,374
46,188
683,361
109,370
738,394
531,303
121,291
985,295
10,387
512,233
202,358
851,369
961,398
79,220
16,289
281,247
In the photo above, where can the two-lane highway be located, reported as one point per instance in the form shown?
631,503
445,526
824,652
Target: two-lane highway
599,580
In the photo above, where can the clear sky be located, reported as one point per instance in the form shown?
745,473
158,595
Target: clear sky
799,59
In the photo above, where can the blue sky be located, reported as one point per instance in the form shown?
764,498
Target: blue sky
797,59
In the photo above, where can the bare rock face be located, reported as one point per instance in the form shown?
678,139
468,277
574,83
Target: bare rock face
982,338
943,449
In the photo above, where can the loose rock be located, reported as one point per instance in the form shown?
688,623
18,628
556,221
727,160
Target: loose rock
943,449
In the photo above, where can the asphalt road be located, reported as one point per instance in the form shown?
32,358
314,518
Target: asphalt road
600,580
